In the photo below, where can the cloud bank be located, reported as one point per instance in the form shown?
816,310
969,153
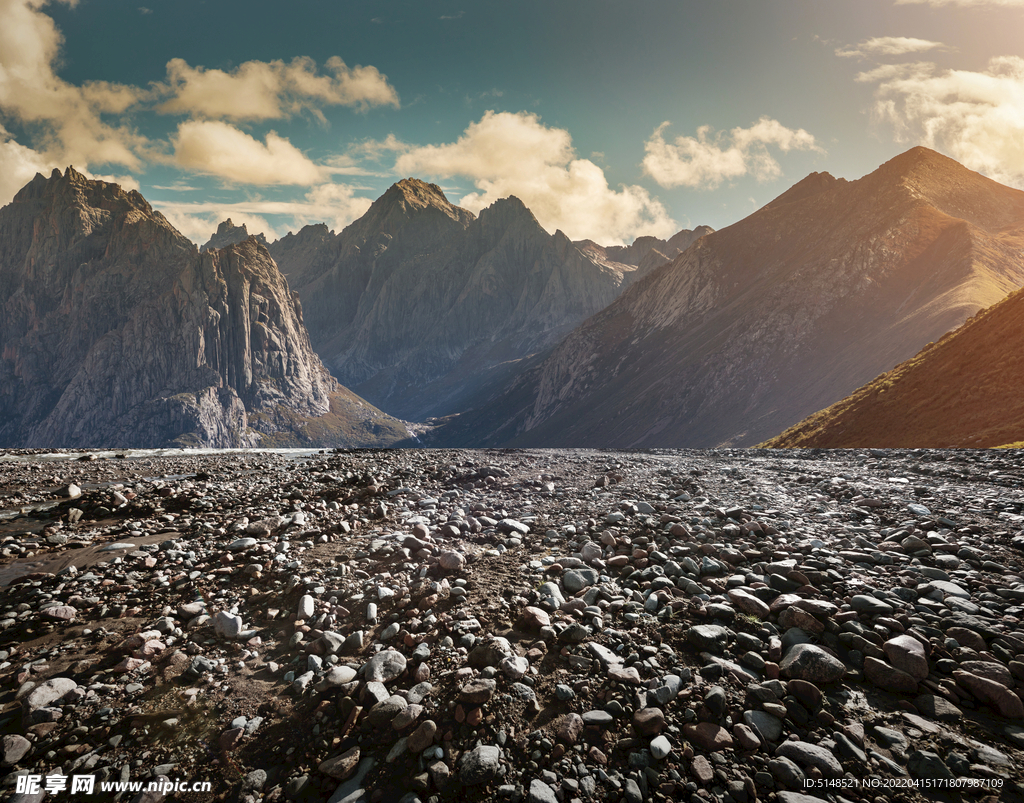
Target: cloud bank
260,90
87,125
708,159
976,118
516,154
888,46
218,149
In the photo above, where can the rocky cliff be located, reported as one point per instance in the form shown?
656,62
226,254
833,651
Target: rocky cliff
115,331
418,304
757,325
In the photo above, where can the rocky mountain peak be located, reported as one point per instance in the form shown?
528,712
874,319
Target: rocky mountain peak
229,234
506,212
73,188
407,200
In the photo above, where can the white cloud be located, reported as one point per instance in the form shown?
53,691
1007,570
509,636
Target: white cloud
888,46
70,117
260,90
708,159
333,204
219,149
975,117
963,3
515,154
87,125
18,165
126,182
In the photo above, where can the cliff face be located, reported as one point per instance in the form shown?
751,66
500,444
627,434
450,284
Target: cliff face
417,303
757,325
116,331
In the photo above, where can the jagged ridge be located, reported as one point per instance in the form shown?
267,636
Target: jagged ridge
116,331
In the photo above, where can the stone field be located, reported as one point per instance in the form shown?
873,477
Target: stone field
515,625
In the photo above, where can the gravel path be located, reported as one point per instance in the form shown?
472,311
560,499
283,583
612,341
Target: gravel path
540,625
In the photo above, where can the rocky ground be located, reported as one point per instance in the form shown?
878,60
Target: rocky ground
516,625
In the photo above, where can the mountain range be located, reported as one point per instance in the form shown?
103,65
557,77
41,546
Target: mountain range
488,330
757,325
116,331
419,303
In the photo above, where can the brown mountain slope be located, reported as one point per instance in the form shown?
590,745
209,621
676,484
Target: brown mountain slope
115,331
963,391
757,325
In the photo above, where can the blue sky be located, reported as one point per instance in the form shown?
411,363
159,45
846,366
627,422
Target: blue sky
609,119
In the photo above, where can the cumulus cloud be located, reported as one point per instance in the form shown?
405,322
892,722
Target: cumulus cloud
516,154
975,117
260,90
333,204
218,149
70,117
708,159
18,165
888,46
88,125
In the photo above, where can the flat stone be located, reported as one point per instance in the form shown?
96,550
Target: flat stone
888,677
61,612
421,738
764,724
600,719
926,764
811,663
935,707
908,655
540,792
865,603
709,736
649,721
748,603
708,637
385,666
13,748
947,588
811,755
342,766
477,691
995,694
480,765
48,692
701,769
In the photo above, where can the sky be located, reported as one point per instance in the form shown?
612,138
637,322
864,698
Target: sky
609,119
